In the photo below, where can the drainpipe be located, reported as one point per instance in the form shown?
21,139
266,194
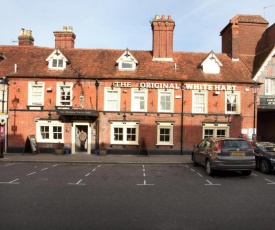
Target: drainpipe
181,125
97,121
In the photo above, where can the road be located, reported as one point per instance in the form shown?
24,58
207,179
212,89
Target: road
121,196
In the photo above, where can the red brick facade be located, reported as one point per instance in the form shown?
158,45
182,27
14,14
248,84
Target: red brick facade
182,96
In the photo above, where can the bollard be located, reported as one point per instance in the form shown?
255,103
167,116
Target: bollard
1,148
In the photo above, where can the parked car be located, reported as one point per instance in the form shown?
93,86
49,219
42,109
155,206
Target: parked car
224,154
265,156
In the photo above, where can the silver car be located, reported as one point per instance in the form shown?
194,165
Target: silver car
224,154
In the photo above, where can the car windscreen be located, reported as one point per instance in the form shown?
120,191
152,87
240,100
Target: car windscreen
239,144
266,147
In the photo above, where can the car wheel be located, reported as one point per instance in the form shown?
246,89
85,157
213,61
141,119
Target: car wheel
208,168
194,161
264,166
246,173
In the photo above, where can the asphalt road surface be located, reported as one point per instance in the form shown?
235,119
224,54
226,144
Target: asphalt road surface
162,196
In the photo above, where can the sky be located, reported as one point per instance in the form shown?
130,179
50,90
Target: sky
121,24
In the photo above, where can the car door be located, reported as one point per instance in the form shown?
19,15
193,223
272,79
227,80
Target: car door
200,152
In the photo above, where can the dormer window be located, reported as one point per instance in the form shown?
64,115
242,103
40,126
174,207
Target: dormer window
211,64
57,60
127,62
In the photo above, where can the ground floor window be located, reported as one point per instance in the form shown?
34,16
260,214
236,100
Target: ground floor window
210,130
164,133
49,132
124,132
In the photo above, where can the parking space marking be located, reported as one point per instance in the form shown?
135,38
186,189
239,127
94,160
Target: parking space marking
54,165
271,182
87,174
253,174
9,164
144,183
199,174
31,173
144,175
11,182
79,182
44,169
209,183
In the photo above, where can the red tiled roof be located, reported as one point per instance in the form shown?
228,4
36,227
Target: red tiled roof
101,63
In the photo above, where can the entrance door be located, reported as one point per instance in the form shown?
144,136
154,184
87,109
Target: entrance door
79,131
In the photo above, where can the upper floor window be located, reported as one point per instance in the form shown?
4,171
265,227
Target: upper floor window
64,94
165,100
126,61
200,102
269,86
112,99
57,60
232,102
139,100
36,93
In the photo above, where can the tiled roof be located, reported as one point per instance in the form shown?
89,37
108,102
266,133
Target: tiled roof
101,63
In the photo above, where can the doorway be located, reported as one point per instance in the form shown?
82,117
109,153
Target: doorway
79,131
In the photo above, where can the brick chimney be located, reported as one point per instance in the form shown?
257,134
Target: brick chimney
65,39
25,38
242,35
163,36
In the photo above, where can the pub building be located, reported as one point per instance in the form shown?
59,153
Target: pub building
126,101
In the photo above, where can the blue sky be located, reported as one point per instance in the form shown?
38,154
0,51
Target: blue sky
121,24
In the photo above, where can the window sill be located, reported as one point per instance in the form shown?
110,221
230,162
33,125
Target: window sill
35,107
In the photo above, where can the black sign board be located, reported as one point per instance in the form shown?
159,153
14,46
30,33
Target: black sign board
267,101
76,112
31,145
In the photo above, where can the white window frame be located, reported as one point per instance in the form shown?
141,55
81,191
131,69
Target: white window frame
215,129
165,125
238,102
108,90
195,93
31,96
269,85
59,86
51,125
58,59
136,101
161,93
124,126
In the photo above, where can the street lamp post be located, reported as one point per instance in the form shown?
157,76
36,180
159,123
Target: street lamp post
256,88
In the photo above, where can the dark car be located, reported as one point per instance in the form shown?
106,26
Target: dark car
224,154
265,156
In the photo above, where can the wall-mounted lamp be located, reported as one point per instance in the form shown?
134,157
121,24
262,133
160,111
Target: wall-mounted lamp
64,82
49,117
216,121
15,102
112,86
36,82
57,52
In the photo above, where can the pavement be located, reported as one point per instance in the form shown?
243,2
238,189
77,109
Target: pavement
92,158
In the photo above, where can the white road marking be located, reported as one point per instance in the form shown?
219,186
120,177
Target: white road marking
271,182
94,170
11,182
211,183
186,166
143,174
54,165
193,170
9,164
144,183
87,174
199,174
31,173
98,166
44,169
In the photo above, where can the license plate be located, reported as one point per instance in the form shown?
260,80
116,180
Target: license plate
237,153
